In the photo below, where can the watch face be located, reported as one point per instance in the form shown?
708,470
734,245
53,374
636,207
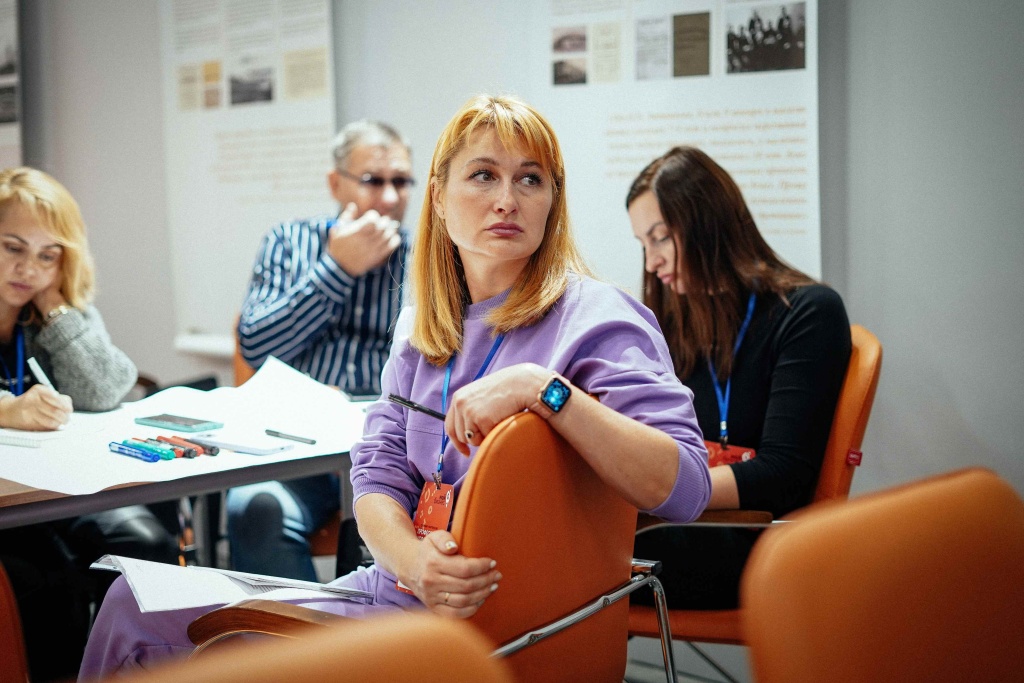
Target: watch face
555,394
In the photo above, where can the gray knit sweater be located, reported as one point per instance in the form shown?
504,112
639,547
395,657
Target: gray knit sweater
77,355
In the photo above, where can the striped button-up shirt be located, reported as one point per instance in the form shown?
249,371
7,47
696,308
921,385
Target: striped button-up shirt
304,309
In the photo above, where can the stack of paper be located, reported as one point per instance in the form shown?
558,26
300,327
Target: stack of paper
158,587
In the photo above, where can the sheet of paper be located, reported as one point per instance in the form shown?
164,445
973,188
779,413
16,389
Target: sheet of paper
159,587
277,397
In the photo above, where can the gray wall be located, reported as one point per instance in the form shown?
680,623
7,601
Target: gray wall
921,158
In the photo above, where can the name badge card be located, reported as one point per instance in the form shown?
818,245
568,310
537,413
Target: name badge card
434,510
728,455
433,513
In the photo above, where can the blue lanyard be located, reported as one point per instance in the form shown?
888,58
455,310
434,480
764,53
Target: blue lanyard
444,398
19,343
723,398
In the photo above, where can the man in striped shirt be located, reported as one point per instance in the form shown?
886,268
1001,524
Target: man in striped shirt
323,297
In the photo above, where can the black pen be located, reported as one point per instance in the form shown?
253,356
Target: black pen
290,437
415,406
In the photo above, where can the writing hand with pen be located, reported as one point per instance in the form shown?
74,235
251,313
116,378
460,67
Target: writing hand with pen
40,409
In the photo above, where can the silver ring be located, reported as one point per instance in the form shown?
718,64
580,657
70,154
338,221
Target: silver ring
446,596
469,435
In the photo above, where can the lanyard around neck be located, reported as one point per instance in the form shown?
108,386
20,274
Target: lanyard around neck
723,397
444,398
17,386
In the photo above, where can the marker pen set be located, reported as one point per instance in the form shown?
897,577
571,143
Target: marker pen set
161,448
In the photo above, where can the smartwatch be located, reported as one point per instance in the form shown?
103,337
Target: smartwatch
552,397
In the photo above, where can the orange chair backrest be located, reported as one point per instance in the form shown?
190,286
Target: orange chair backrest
13,665
920,583
561,538
243,371
851,416
402,647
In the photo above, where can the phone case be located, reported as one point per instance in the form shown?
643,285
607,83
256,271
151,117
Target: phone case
178,427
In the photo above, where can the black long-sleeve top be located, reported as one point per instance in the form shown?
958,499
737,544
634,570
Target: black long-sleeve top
786,380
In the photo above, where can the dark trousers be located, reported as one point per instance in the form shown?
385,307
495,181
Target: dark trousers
701,566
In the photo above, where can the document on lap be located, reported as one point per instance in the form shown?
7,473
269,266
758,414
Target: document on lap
277,397
159,587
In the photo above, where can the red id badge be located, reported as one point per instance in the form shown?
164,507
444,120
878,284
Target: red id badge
434,510
433,513
727,456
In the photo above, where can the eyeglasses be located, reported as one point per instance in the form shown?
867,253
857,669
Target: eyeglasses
16,251
376,182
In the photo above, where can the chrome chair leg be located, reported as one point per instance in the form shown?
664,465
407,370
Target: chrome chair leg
665,629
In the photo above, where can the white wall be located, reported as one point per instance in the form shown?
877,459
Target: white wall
93,119
934,229
923,213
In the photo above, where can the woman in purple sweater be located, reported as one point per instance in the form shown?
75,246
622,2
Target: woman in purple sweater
506,320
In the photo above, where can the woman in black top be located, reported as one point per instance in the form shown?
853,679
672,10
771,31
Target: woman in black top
713,281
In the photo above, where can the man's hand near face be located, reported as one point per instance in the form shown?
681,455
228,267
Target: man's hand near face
361,244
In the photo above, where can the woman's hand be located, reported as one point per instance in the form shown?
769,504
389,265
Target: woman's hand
448,583
40,409
479,406
49,298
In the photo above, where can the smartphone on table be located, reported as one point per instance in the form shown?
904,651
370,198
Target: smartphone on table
178,423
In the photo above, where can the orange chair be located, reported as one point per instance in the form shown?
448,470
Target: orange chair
403,647
563,541
840,459
14,667
922,583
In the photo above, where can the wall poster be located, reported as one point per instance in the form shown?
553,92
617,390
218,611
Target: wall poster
10,95
625,80
248,120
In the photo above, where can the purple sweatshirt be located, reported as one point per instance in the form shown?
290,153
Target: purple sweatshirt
599,338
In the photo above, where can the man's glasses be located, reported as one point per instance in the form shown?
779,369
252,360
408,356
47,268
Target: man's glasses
377,182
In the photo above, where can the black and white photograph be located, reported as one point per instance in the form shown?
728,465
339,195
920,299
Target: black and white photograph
251,81
766,38
570,71
569,39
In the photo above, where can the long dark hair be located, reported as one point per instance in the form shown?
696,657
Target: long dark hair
721,257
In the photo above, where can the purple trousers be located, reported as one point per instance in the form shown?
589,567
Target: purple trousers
126,639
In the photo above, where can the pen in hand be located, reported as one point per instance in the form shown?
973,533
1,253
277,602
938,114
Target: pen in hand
395,398
41,377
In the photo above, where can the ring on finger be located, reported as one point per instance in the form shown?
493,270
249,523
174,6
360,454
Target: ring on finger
446,596
469,435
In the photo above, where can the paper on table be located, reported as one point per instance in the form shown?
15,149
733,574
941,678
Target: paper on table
159,587
277,397
20,437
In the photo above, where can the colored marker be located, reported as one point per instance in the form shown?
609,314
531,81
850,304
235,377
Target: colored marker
186,451
133,452
164,453
200,448
179,452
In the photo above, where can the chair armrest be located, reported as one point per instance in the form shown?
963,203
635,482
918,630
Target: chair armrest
256,616
739,518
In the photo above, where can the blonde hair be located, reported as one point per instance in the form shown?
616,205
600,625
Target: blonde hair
438,278
54,207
